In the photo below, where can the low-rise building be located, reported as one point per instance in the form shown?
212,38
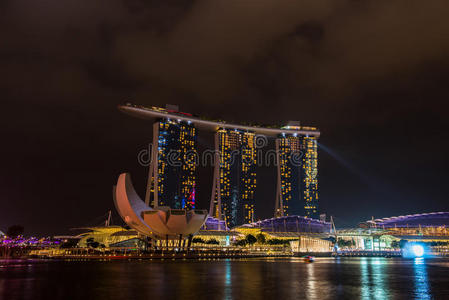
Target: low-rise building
297,242
366,239
110,237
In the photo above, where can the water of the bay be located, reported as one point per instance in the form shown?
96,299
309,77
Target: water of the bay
287,278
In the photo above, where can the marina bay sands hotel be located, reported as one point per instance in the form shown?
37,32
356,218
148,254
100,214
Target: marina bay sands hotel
174,160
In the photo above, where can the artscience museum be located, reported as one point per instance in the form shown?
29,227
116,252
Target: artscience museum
158,222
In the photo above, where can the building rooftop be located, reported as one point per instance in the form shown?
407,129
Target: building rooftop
155,113
422,237
293,223
424,220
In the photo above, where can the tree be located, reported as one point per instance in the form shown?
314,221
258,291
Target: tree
395,244
70,243
197,241
261,238
344,243
212,242
242,242
274,242
279,241
14,231
90,242
251,239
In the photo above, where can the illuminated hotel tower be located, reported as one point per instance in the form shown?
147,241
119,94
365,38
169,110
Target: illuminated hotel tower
309,176
297,186
289,160
234,177
171,181
248,176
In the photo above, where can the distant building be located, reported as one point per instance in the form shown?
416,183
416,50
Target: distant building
435,223
431,229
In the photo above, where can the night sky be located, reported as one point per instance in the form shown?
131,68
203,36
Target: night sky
372,75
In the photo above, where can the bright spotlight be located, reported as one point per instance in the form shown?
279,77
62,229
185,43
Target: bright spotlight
418,250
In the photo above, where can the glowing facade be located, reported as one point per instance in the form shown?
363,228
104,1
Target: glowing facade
175,164
234,177
188,140
171,181
309,176
248,179
297,192
289,155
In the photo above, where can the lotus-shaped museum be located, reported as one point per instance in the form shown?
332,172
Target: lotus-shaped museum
160,222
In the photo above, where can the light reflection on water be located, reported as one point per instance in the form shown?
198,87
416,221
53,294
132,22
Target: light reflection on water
327,278
378,277
228,282
422,290
365,280
373,278
311,282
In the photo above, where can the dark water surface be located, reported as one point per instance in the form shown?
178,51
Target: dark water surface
327,278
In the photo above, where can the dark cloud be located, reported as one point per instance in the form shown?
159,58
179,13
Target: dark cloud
208,48
373,75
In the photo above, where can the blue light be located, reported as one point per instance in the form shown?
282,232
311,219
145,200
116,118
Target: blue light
415,250
418,250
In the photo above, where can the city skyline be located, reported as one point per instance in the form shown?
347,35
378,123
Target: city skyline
204,200
372,76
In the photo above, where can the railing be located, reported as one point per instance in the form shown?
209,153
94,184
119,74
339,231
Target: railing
356,252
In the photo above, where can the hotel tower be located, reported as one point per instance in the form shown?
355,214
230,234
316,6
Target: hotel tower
173,165
234,177
297,180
